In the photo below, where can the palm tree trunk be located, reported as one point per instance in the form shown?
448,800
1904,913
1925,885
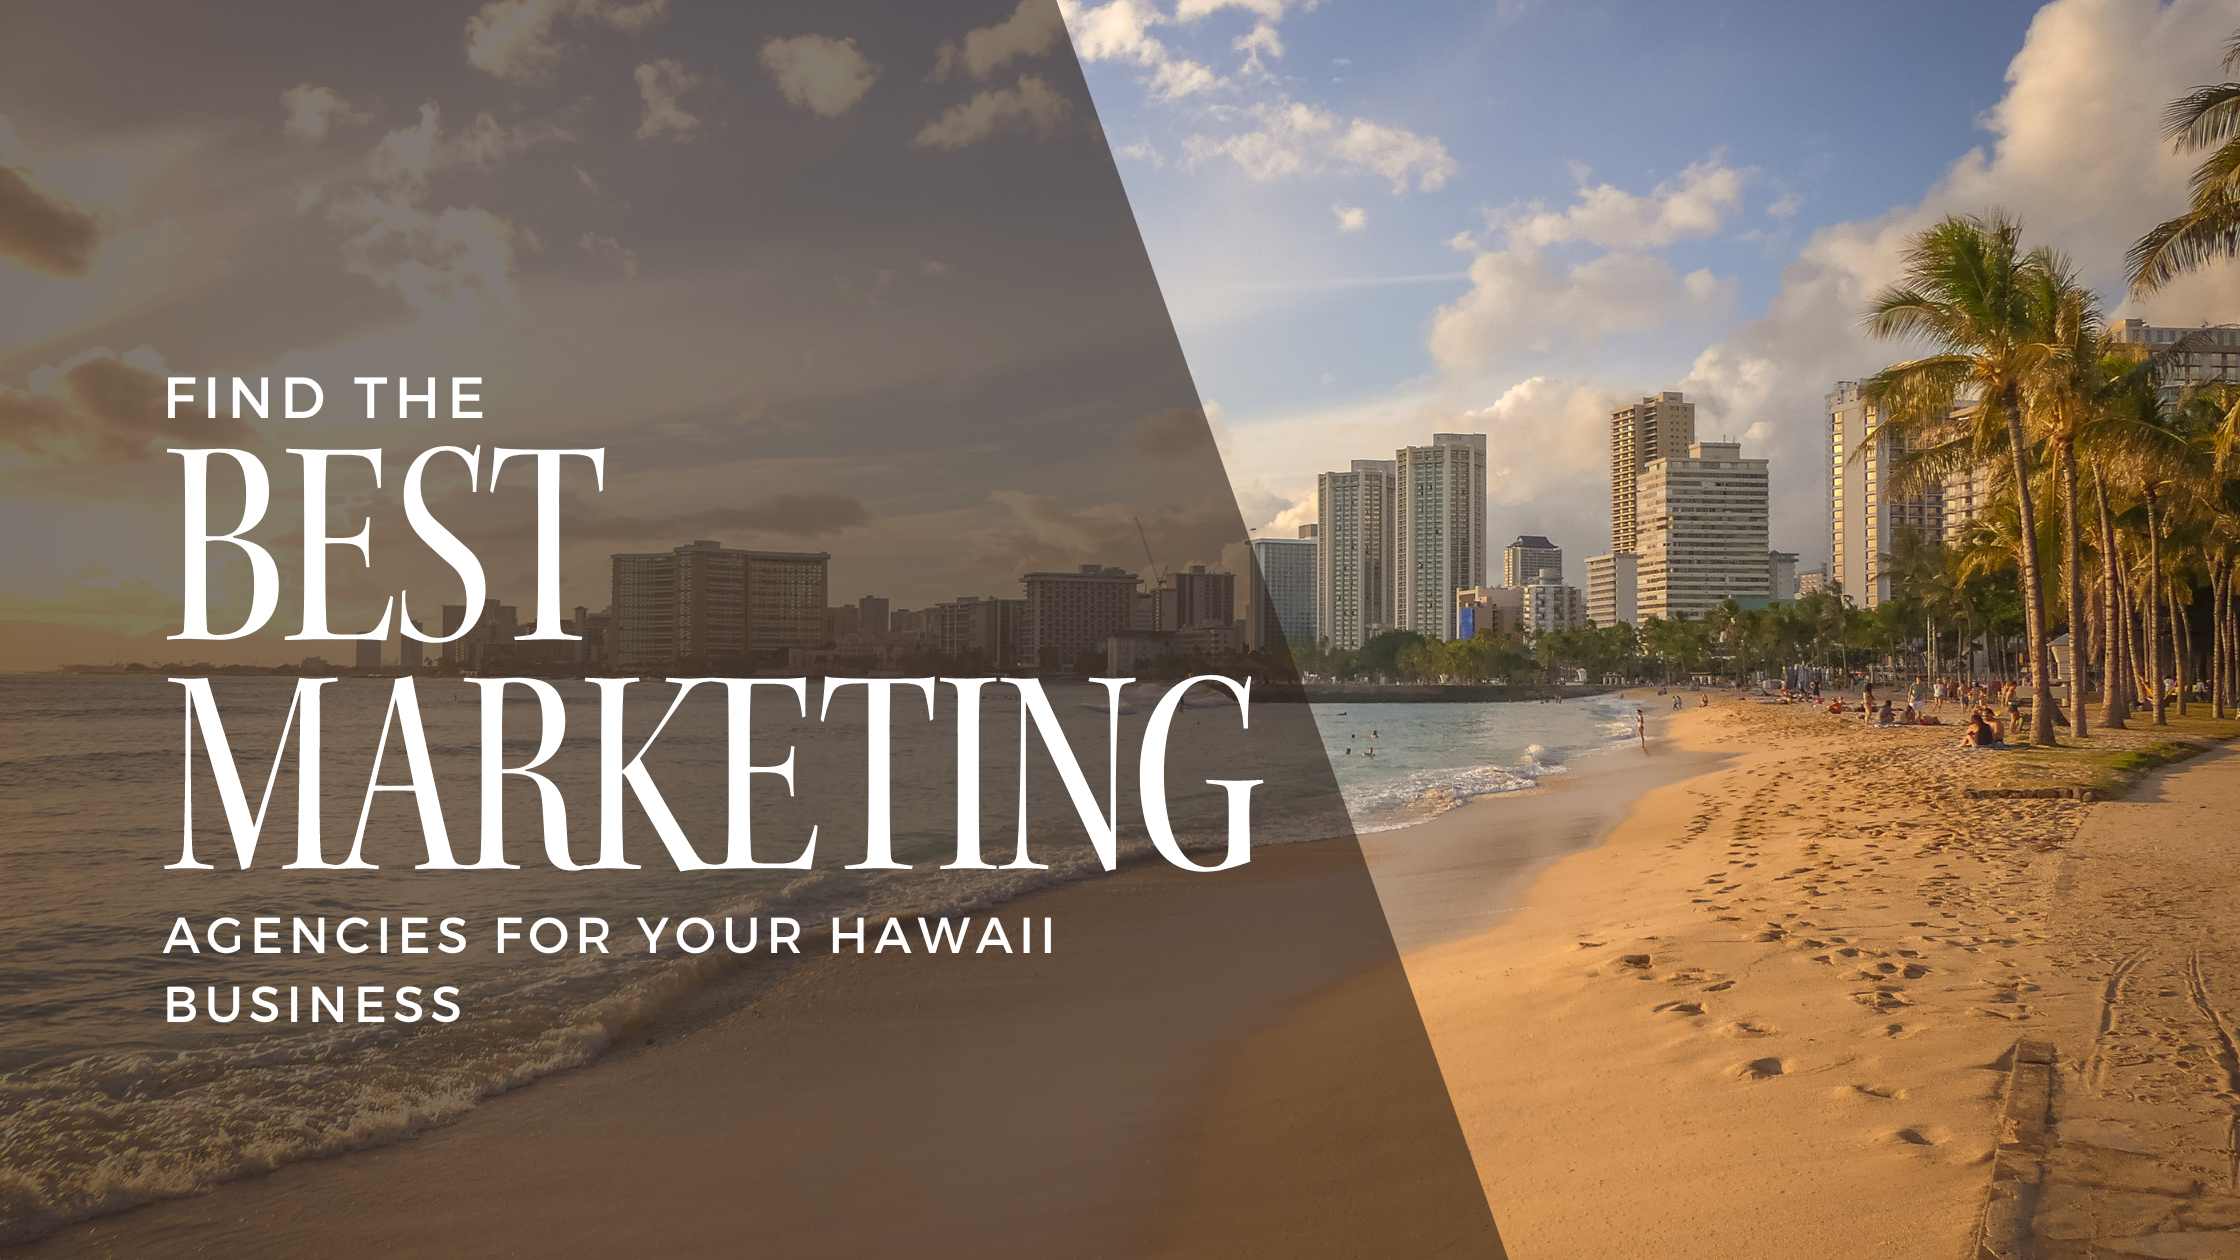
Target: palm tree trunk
2033,574
2073,562
2152,607
2181,645
2217,581
2115,672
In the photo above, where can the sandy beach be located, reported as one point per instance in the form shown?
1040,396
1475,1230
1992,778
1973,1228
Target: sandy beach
1773,1013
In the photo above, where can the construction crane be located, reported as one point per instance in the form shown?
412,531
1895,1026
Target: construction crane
1158,574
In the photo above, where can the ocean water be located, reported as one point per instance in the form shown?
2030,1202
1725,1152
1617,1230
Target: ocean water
1399,764
104,1104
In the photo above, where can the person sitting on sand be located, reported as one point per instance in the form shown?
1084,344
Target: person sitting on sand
1836,705
1978,734
1911,717
1884,717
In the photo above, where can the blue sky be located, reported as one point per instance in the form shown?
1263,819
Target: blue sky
1647,196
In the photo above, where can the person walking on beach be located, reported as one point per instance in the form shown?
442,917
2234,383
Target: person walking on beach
1641,728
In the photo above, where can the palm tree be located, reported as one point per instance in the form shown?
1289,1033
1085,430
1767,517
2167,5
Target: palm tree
2154,448
2205,118
2069,394
1969,288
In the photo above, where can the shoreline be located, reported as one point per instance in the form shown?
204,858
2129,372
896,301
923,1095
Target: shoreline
1052,1104
1440,881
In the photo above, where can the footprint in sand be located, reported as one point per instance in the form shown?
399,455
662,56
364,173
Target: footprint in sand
1882,998
1749,1028
1890,1092
1680,1008
1759,1069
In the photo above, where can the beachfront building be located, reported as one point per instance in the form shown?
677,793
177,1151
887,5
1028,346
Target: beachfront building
1703,531
1067,614
1524,558
1194,598
1660,426
1781,569
1864,516
1354,514
974,627
1440,528
368,654
1812,582
1281,609
1486,610
1614,589
1549,605
708,602
488,644
2213,352
874,615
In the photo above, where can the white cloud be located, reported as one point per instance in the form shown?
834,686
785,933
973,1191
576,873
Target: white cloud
827,75
406,157
1143,151
1033,106
1525,296
1522,301
1351,218
1120,30
1690,206
513,39
1031,30
608,249
660,83
1296,138
311,111
455,268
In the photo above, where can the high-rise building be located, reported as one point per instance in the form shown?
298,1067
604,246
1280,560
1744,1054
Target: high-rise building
1488,610
1703,531
1068,614
1355,518
1660,426
1812,582
1781,567
369,654
489,644
1864,517
2213,353
986,630
872,615
1549,605
409,648
709,602
1439,530
1194,598
1522,560
1614,589
1282,608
